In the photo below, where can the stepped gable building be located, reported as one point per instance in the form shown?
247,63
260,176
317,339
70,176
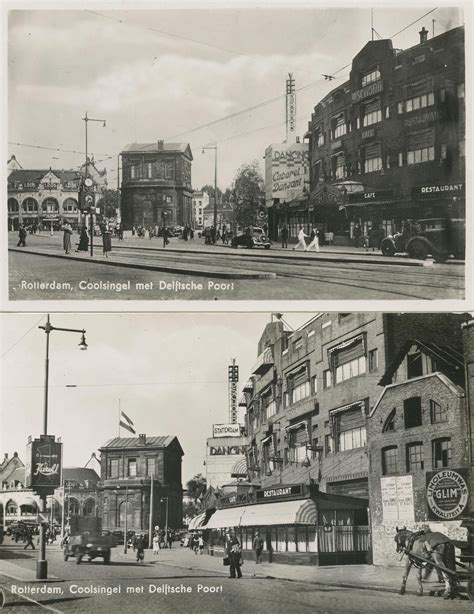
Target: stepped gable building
388,144
311,390
420,441
156,184
128,466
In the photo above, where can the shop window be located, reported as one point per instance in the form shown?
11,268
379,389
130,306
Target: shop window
114,468
390,422
414,365
373,360
327,379
132,467
390,460
415,461
412,412
441,453
370,77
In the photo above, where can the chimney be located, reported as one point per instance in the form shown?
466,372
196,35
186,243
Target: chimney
423,35
161,145
142,436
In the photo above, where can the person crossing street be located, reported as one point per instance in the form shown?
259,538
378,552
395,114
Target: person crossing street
301,240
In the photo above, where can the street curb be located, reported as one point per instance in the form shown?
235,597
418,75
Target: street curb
157,268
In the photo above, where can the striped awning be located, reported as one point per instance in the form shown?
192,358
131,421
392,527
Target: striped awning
248,386
242,401
226,518
239,470
197,521
264,362
299,511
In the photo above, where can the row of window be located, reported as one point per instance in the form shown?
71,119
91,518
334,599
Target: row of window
153,170
131,467
49,205
413,414
414,456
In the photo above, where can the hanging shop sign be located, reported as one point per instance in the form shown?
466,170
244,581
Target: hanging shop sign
44,464
226,430
279,492
447,493
435,191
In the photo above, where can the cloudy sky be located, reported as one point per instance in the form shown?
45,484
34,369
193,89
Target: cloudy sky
160,74
168,370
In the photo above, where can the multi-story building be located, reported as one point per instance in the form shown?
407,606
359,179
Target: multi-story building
200,201
388,144
419,444
129,466
47,198
156,184
224,215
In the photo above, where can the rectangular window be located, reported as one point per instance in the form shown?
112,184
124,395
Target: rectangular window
373,360
444,151
352,438
339,166
351,369
328,444
372,113
114,468
132,171
371,165
370,77
148,170
400,159
298,345
441,453
314,385
412,412
169,170
419,102
132,467
300,391
327,379
390,460
415,461
338,125
150,467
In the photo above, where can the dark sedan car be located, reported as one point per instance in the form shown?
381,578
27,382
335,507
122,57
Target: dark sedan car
252,238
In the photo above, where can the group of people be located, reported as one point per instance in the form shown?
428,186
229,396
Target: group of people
302,236
196,543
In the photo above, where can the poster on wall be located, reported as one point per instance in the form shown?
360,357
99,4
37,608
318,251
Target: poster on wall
286,171
397,498
447,493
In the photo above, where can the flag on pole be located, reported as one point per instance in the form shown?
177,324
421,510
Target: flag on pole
126,423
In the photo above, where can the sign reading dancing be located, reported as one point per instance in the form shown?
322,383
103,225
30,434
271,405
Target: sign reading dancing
233,371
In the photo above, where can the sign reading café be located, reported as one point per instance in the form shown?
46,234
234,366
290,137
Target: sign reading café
447,493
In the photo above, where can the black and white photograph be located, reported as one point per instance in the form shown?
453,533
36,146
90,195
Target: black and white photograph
233,153
324,460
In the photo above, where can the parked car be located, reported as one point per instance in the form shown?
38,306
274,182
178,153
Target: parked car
251,238
440,237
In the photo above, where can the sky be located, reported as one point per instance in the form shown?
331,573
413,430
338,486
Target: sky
168,370
162,73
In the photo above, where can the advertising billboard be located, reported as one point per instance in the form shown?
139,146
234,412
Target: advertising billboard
286,171
447,493
43,468
226,430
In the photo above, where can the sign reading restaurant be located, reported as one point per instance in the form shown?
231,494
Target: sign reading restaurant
279,492
447,493
438,190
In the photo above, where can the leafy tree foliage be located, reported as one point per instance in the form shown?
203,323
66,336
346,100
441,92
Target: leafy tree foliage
247,194
196,486
108,203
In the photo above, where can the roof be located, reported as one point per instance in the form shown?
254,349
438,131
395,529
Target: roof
448,359
80,474
17,475
26,175
153,148
158,441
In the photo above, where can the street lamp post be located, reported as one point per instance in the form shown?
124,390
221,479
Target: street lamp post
86,120
166,520
214,147
42,563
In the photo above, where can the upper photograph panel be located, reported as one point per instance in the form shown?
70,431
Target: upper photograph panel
236,154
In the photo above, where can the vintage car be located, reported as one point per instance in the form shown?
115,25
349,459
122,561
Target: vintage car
251,238
438,237
90,546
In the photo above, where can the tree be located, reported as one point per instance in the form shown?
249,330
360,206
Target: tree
108,203
196,486
247,194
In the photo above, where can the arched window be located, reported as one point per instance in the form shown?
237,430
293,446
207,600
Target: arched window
30,205
50,205
11,508
390,422
121,519
13,206
70,205
74,507
89,507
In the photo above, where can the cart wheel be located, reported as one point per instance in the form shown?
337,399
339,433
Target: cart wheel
387,248
417,250
470,589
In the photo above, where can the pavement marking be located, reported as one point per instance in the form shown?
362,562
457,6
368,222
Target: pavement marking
41,605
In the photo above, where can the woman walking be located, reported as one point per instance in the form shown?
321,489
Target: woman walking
67,230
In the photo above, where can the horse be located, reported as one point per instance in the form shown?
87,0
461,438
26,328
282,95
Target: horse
434,546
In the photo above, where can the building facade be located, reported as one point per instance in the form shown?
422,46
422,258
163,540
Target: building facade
128,468
200,201
156,185
224,451
388,144
47,198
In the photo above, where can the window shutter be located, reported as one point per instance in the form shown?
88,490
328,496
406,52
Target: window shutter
349,353
373,151
351,419
373,105
421,140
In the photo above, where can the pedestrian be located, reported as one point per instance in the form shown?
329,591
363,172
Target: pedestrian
170,538
29,539
140,548
258,547
83,240
133,231
156,231
234,554
150,233
156,543
67,230
196,543
165,236
213,235
191,233
21,236
301,241
357,232
314,239
201,543
106,239
224,235
284,236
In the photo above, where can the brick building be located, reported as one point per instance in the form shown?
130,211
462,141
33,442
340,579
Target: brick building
388,144
419,443
156,184
128,466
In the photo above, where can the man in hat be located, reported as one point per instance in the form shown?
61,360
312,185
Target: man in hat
258,547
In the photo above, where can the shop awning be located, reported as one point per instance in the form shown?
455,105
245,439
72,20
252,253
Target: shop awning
264,362
299,511
197,521
239,470
248,386
242,401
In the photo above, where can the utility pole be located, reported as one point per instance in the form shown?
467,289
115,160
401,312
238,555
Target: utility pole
150,520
